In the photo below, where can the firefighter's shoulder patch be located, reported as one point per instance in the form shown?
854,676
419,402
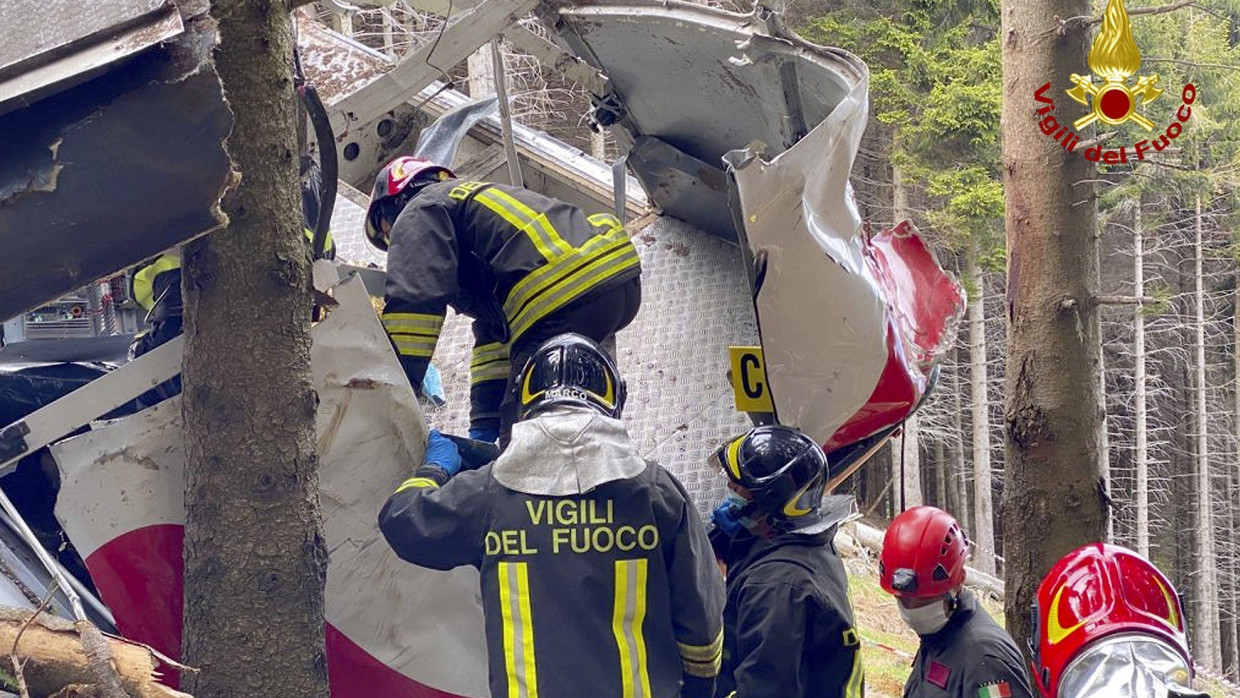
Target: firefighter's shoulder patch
938,673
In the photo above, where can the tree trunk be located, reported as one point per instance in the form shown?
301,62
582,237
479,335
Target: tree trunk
908,461
1053,500
983,505
255,562
1206,625
1233,601
481,73
962,509
1141,456
940,474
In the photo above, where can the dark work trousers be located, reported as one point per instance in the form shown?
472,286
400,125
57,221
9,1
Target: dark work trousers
598,317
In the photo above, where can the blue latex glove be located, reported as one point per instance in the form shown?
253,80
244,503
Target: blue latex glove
724,518
442,452
487,434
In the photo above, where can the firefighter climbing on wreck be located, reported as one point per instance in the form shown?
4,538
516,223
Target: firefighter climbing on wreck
524,266
964,653
597,576
788,622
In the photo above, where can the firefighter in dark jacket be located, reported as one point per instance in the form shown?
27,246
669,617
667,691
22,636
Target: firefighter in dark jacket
157,285
964,653
524,266
597,576
788,623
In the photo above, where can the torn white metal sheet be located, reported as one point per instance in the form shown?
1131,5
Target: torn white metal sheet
850,327
392,629
747,87
77,409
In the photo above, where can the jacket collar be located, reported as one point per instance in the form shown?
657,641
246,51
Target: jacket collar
567,451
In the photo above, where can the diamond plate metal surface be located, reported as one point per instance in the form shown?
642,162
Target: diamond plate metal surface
674,356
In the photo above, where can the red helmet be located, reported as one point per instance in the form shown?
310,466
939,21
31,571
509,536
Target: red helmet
394,185
1104,613
923,555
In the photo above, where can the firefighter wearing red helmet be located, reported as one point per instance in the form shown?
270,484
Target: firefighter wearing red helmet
964,653
788,622
524,266
1109,624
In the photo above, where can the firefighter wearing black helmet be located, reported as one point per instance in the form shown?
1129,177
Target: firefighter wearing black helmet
788,622
597,577
524,266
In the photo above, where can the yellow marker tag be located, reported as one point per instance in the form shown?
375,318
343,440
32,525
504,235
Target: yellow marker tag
749,386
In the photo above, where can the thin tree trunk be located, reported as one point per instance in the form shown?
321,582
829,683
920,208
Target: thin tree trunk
1233,602
983,505
254,557
1141,457
1104,438
908,461
481,73
1053,499
1206,626
940,474
962,510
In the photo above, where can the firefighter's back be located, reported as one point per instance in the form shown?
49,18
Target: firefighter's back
577,590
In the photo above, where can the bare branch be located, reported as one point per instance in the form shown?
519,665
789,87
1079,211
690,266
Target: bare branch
1192,63
18,664
1124,300
1083,22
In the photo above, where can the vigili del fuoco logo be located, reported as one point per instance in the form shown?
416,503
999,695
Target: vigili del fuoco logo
1114,59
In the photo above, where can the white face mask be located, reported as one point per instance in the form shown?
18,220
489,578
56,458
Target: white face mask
926,620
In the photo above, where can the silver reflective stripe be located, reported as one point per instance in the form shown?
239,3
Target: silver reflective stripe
627,619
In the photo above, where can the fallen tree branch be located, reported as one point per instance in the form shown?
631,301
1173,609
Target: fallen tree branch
53,658
19,665
99,659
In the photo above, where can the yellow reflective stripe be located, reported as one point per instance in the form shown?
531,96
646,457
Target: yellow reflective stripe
422,482
628,615
605,220
328,243
414,345
702,661
493,372
526,220
702,670
535,218
144,280
412,323
538,280
486,353
573,286
703,653
856,681
518,630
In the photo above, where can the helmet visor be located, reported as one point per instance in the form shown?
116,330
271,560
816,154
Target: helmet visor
1125,666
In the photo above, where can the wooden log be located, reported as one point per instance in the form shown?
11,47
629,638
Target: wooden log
54,659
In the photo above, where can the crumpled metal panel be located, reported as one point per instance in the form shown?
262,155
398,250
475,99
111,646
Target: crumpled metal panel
110,172
851,326
392,629
37,31
704,82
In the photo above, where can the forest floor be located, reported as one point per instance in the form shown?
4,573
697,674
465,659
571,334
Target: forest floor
888,646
